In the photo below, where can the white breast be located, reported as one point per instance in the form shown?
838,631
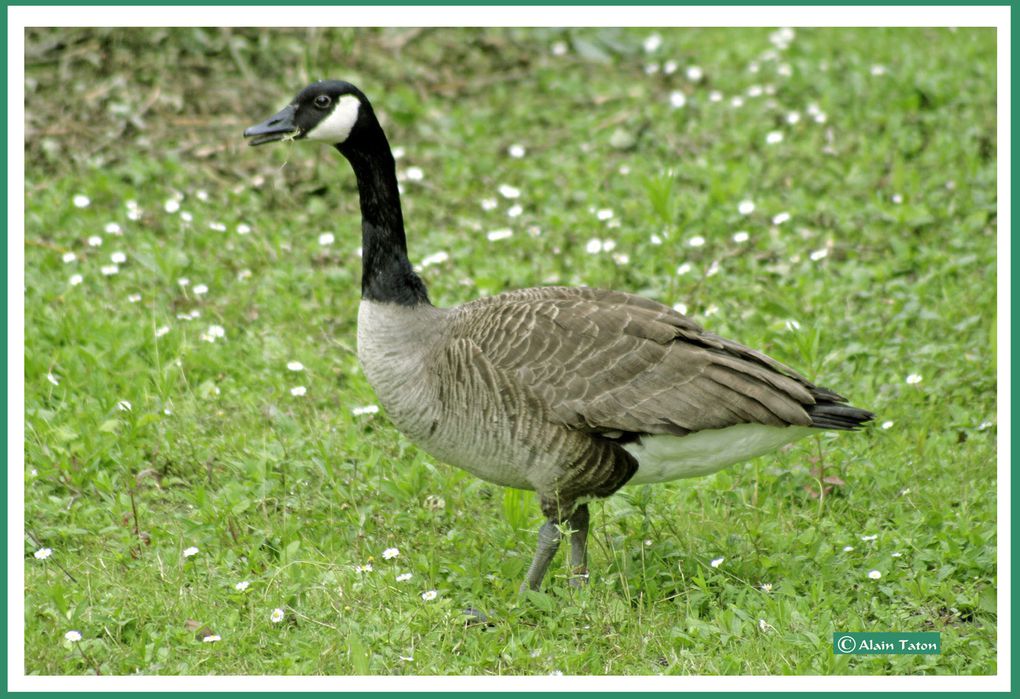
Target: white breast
667,457
392,348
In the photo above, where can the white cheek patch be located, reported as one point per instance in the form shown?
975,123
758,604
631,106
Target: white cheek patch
337,125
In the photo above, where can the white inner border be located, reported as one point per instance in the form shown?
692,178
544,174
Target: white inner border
21,17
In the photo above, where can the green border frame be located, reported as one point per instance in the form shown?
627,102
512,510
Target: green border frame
1015,654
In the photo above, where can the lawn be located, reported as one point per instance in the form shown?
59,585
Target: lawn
204,459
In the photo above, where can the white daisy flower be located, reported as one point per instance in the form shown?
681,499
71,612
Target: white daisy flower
499,234
740,237
242,586
298,391
489,204
326,239
874,574
509,192
218,227
652,43
190,551
869,537
695,74
774,137
211,638
367,568
277,616
415,174
677,99
118,258
594,246
914,379
109,270
683,269
435,258
403,577
670,67
793,118
848,549
391,553
696,241
69,257
94,241
73,636
429,595
243,229
515,211
780,218
43,553
819,254
171,206
887,424
200,289
516,151
295,366
604,214
81,201
215,332
716,562
365,410
745,207
162,330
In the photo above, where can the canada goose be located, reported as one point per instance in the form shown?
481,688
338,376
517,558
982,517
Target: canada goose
569,392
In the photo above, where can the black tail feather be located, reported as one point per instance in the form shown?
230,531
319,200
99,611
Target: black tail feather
837,416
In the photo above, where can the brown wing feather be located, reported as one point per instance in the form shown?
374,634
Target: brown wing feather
607,361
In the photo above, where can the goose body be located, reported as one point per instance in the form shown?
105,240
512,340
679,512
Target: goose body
570,392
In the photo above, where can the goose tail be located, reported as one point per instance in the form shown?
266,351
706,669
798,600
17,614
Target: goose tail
830,415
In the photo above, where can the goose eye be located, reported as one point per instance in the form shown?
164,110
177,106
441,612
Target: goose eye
322,101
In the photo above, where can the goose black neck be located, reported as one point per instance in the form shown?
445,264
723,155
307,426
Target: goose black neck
386,273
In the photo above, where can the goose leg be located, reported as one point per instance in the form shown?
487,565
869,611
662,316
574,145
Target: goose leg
579,546
548,542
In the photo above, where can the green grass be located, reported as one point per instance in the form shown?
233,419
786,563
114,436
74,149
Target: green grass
292,493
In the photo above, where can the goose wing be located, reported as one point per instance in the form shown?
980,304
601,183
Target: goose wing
613,363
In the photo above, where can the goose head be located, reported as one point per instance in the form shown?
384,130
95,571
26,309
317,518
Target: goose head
330,111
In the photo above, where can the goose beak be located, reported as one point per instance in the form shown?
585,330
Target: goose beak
275,128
